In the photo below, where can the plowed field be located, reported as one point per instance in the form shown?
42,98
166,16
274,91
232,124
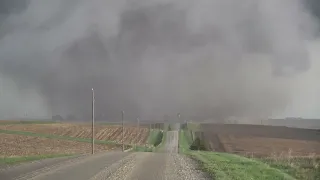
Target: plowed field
261,141
102,132
260,146
17,145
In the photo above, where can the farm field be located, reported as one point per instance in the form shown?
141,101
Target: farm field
261,146
221,165
261,141
2,122
102,132
19,145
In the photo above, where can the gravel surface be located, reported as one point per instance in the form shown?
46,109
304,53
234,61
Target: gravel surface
117,170
179,167
79,168
161,166
125,171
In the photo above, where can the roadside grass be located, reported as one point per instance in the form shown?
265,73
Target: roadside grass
160,147
224,166
154,141
306,168
20,159
155,137
143,149
185,141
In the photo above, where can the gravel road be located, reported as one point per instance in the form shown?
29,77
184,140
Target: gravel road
112,166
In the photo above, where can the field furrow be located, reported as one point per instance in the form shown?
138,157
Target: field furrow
261,141
18,145
102,132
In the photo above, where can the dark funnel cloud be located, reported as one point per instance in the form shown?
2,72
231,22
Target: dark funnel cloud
207,59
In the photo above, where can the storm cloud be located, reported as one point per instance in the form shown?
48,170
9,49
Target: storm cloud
207,59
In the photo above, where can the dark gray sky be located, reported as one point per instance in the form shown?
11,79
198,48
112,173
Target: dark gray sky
205,59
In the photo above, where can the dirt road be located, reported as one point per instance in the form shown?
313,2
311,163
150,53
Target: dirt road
113,166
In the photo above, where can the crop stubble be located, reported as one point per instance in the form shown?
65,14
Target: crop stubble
102,132
19,145
261,141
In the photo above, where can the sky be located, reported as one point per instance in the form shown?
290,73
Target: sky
205,59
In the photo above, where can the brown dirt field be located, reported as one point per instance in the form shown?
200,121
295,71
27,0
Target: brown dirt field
8,121
102,132
260,146
261,141
263,131
18,145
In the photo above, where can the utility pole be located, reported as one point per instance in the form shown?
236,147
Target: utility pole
1,87
179,115
138,129
92,121
122,119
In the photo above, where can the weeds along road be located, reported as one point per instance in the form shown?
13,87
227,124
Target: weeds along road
166,165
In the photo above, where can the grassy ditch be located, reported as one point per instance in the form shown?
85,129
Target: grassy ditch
185,140
20,159
155,139
160,147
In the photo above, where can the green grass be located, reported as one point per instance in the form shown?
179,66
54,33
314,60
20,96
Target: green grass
185,141
223,166
306,168
143,149
20,159
155,137
160,147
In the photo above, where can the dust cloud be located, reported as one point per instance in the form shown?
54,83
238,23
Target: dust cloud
207,59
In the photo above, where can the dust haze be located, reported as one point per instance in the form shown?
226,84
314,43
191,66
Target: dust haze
206,59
